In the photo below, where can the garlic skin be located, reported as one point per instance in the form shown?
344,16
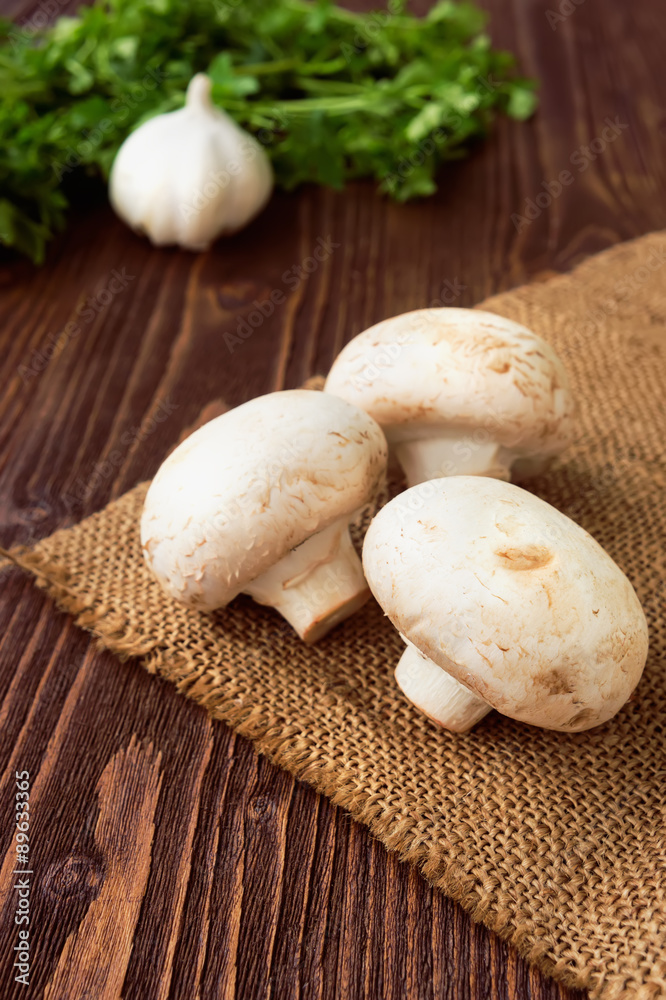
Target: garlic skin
191,175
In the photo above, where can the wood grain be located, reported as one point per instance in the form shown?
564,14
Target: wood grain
234,881
94,961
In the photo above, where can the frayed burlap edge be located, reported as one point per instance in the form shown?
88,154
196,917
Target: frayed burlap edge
270,739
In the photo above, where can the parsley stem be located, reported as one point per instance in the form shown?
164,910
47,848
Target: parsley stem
290,65
330,105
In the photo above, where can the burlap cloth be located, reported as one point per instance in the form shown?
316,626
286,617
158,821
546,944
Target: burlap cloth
556,842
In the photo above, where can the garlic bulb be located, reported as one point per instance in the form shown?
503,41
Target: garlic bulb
191,175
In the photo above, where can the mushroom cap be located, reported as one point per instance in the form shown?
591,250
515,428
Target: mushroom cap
458,368
511,597
243,490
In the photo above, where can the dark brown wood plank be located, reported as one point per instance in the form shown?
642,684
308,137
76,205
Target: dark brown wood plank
95,957
252,886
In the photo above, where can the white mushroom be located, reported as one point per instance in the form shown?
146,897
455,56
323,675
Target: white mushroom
504,603
259,501
458,392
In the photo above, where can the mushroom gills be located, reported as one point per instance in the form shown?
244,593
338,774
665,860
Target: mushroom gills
436,693
317,584
433,456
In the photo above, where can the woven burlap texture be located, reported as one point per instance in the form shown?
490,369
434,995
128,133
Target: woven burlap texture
554,841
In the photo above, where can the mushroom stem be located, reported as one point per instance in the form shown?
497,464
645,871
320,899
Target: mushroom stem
433,457
437,694
317,584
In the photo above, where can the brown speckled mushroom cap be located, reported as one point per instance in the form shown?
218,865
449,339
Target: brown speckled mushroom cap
245,489
459,369
516,601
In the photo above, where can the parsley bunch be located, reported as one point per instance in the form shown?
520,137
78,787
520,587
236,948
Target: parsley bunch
331,94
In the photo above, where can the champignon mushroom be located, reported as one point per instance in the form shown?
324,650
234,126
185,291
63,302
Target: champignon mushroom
259,501
458,392
505,603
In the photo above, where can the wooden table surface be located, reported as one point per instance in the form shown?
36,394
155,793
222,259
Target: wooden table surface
169,860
